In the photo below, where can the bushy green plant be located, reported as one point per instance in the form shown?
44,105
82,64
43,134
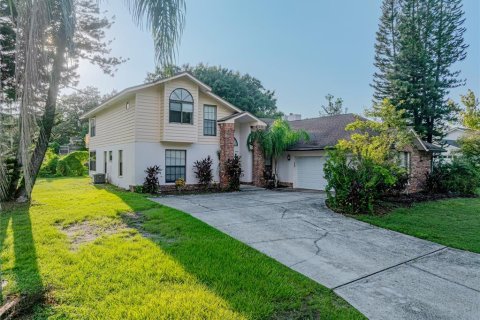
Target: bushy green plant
460,176
362,169
203,171
49,165
356,182
73,164
233,170
151,183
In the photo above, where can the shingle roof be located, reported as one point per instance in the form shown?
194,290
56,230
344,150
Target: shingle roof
453,143
324,131
433,147
327,131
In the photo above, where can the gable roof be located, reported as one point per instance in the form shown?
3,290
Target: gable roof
131,90
327,131
242,115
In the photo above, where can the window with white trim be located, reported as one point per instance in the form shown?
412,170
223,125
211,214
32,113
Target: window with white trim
181,107
175,165
209,120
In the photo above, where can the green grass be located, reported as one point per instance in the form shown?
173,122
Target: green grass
453,222
184,269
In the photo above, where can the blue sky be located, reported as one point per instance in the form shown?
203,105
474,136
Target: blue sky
302,51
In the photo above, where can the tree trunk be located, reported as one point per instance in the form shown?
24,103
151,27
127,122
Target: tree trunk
48,118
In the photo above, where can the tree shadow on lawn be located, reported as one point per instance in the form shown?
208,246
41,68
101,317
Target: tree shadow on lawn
253,284
27,287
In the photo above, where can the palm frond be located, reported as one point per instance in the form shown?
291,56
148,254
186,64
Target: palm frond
165,19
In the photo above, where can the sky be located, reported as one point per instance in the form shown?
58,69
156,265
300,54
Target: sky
301,49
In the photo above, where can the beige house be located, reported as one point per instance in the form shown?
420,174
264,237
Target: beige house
172,123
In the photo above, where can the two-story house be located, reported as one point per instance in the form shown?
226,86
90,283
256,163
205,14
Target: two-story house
172,123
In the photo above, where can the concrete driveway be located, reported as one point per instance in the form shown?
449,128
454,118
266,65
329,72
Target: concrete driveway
384,274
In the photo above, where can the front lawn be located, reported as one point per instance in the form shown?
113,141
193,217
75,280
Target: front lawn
453,222
77,253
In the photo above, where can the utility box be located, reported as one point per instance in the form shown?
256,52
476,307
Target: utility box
99,178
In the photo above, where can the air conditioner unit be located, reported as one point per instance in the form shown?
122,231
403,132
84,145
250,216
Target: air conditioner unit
99,178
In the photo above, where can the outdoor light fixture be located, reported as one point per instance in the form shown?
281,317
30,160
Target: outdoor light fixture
288,157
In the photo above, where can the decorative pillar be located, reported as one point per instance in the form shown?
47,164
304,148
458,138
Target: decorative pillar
258,161
227,141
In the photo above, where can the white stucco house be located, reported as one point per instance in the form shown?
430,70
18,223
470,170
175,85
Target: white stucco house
176,121
172,123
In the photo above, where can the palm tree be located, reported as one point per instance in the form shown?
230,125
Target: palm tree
51,24
276,140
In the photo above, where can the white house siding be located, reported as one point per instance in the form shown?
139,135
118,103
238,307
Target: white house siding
115,125
147,115
115,130
181,132
148,154
222,112
113,177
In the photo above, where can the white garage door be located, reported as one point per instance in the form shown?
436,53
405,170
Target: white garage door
310,173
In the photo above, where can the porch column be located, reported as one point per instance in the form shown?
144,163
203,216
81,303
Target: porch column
227,141
258,161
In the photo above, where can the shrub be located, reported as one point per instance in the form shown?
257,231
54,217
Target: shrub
49,164
460,176
233,170
203,171
180,184
138,189
73,164
151,183
355,184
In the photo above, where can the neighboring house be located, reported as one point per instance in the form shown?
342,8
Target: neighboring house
74,144
302,165
451,144
172,123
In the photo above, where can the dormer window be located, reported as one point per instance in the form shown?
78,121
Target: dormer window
181,106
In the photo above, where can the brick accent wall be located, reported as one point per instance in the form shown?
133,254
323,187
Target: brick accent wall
227,141
258,162
420,166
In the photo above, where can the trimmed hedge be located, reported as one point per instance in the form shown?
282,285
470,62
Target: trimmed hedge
73,164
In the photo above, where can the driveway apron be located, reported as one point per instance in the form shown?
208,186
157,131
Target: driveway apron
382,273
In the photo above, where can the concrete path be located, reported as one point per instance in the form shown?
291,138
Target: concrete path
382,273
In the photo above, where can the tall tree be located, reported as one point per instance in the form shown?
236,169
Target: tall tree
241,90
51,33
418,44
333,107
386,49
70,108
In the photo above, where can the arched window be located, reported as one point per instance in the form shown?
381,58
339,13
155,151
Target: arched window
235,142
181,106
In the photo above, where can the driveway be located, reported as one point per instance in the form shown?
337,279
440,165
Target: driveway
382,273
